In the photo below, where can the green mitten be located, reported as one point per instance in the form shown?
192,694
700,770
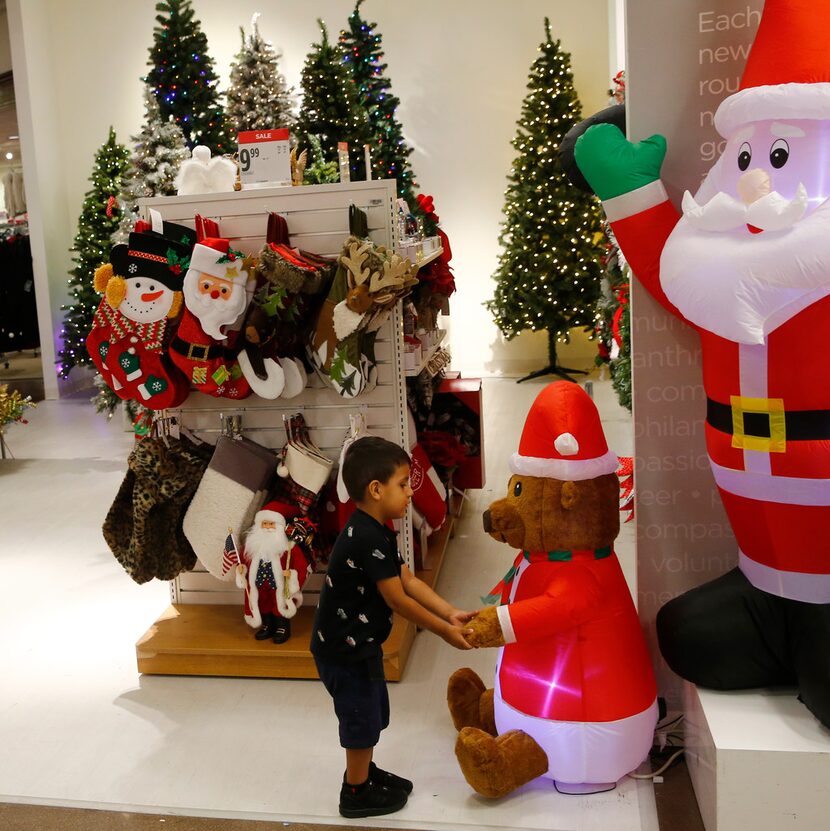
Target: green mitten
613,165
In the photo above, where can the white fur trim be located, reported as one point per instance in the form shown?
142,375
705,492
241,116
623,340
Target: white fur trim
274,516
568,470
566,444
254,619
345,321
636,201
507,632
272,387
783,102
204,260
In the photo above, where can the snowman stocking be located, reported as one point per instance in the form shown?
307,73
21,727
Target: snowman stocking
142,293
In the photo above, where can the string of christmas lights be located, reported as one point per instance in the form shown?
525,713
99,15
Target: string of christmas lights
548,273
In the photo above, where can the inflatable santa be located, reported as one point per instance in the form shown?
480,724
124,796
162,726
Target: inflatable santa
272,573
747,264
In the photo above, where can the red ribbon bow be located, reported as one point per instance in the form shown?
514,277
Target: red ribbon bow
426,204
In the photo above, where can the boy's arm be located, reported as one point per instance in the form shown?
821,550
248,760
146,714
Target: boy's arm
407,607
420,591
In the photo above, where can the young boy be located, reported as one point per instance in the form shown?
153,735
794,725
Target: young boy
365,583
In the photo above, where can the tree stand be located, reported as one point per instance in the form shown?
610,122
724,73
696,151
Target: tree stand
552,368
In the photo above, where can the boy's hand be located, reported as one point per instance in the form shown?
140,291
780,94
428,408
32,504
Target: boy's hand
458,617
454,636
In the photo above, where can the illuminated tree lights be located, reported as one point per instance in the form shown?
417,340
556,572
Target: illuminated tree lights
258,96
363,54
183,79
330,105
548,276
99,219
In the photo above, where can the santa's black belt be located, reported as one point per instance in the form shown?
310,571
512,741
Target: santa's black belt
198,351
800,425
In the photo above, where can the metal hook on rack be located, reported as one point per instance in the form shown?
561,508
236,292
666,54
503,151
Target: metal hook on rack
231,424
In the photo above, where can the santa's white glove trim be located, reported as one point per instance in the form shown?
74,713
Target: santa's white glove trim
636,201
506,624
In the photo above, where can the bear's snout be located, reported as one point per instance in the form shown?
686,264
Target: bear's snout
504,523
488,525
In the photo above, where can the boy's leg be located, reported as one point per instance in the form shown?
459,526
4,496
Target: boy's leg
357,765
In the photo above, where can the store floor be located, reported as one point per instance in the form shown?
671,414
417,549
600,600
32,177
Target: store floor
79,727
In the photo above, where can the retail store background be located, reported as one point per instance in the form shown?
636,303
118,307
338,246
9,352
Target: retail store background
459,68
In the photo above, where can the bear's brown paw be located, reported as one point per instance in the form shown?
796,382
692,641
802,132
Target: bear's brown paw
464,691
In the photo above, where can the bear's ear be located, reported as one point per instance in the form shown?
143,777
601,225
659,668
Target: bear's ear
569,496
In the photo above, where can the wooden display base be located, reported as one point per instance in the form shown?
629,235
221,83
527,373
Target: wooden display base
202,639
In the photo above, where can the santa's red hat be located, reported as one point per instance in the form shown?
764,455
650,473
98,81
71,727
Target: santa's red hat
279,512
787,74
563,438
215,256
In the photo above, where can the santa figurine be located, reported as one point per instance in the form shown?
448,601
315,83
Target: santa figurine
217,289
142,288
747,265
272,573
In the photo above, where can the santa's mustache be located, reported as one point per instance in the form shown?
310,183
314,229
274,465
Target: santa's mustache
724,212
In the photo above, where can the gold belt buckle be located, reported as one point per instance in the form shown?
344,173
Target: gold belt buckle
193,349
773,408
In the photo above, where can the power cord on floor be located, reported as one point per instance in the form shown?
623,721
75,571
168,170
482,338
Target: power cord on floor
664,767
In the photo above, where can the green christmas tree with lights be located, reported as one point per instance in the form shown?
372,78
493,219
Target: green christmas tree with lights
548,277
363,55
258,95
183,78
158,151
98,221
330,107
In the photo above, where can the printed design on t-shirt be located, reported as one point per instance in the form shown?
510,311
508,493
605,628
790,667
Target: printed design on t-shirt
351,641
349,530
362,618
328,582
361,589
320,635
341,614
378,554
350,564
370,640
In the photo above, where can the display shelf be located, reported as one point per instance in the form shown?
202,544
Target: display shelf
433,255
412,373
213,639
436,544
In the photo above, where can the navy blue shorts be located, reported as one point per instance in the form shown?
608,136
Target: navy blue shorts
361,701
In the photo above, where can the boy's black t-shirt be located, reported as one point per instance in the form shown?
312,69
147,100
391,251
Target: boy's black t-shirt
352,619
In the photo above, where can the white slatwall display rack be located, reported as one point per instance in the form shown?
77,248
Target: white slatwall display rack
318,221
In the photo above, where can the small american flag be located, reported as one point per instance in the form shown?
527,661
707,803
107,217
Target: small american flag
230,556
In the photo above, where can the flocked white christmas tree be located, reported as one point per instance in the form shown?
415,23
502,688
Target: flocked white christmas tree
158,151
258,97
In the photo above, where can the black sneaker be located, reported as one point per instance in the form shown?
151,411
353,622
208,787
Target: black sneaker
390,780
370,800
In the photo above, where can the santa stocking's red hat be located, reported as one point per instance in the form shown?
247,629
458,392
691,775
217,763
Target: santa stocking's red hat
787,74
563,438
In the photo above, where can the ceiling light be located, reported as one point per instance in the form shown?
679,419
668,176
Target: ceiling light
9,155
13,138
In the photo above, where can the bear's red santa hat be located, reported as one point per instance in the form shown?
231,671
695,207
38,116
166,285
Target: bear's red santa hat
563,438
787,74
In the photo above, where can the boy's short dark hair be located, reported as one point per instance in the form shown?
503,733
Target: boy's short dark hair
368,459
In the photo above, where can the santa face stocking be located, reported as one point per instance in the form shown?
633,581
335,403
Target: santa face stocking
216,297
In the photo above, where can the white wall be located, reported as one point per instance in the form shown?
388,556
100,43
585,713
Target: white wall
459,68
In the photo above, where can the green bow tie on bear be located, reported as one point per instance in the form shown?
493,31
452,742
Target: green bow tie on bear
612,165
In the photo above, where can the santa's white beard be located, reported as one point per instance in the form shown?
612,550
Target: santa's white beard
266,544
214,315
742,286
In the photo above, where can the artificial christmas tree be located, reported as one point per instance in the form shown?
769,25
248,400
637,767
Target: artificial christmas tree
183,78
159,149
330,107
98,221
258,95
362,54
549,273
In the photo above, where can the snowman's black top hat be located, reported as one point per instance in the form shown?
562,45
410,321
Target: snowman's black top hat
163,257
